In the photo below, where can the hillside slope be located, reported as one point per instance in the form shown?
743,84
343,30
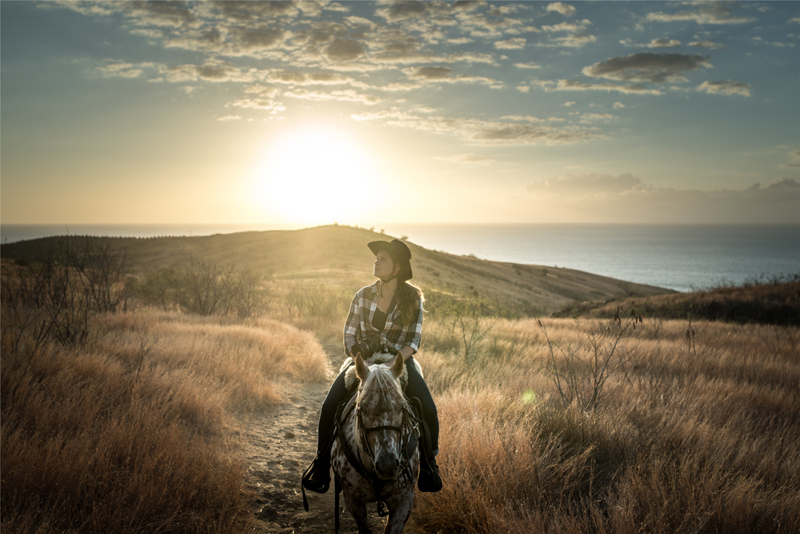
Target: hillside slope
338,255
775,302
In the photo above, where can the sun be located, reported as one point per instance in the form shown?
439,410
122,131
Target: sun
315,175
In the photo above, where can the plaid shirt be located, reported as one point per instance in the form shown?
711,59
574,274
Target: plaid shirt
394,335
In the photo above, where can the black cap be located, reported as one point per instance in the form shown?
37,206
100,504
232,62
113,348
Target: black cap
399,253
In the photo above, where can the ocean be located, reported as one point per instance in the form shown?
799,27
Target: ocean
679,257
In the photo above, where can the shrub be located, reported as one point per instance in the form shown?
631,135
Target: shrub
55,294
204,288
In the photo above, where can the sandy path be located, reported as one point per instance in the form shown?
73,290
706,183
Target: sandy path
280,445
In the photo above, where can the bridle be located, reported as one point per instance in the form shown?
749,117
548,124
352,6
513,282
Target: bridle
363,431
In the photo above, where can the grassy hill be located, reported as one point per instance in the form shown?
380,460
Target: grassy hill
337,255
775,302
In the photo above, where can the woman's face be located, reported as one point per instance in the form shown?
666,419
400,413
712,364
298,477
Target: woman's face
384,266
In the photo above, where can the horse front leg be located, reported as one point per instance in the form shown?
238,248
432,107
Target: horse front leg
399,512
357,506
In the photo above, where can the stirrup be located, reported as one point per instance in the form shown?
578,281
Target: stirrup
317,479
429,478
311,483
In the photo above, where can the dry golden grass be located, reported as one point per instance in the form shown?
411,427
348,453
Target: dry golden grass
699,432
136,432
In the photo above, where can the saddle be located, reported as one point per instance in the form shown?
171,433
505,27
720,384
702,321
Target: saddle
350,379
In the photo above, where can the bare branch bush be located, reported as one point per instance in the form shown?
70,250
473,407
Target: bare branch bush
580,372
471,320
56,294
201,286
204,288
245,296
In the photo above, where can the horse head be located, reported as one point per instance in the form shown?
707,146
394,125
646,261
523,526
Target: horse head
381,409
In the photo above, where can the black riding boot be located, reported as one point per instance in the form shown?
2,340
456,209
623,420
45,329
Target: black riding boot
429,478
318,476
319,479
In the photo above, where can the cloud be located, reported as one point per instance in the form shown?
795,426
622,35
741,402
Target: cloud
664,43
120,69
468,5
215,71
260,97
586,184
460,41
527,66
575,85
515,131
568,26
260,38
347,95
727,87
647,67
478,25
160,13
560,7
255,12
711,45
517,43
589,117
778,44
394,113
341,50
704,13
471,159
784,184
571,41
396,11
618,105
795,155
148,32
433,73
625,198
446,74
311,78
227,118
333,6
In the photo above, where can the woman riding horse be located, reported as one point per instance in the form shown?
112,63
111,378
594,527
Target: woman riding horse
384,317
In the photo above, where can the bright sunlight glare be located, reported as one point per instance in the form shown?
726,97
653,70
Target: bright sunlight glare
315,175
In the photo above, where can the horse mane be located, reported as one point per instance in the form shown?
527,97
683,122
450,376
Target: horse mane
380,382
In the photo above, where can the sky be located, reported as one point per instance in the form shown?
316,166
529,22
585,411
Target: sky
384,112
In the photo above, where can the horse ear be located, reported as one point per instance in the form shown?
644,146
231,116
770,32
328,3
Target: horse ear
361,368
397,368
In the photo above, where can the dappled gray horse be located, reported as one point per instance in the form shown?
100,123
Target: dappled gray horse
375,457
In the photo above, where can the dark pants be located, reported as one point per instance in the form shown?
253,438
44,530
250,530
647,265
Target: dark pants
416,388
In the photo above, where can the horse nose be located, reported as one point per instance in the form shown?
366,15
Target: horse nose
387,465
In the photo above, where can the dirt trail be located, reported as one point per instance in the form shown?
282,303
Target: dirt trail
280,445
